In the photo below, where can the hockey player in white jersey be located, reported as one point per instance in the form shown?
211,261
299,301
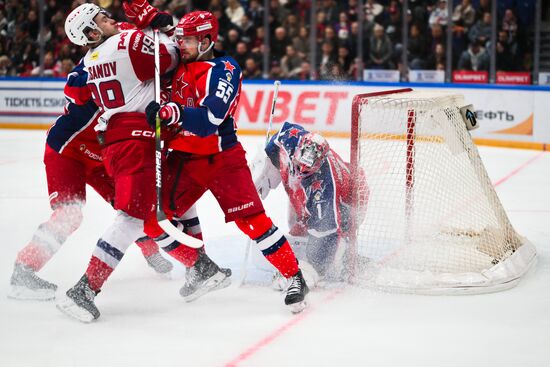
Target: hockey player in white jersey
120,66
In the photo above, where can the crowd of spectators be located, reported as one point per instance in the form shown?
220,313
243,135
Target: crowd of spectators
336,29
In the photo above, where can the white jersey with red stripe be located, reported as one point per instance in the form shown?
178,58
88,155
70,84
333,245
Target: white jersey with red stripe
121,72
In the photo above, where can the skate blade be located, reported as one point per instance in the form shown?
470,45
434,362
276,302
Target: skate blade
213,285
26,294
71,309
298,307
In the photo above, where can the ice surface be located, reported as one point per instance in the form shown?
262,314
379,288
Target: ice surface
144,321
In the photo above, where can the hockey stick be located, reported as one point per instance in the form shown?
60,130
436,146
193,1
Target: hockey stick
163,221
276,85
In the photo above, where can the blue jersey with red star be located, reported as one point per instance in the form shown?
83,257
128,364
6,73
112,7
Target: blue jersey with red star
209,91
321,200
73,133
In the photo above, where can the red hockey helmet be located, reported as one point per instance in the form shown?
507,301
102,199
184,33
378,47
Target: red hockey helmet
198,23
310,153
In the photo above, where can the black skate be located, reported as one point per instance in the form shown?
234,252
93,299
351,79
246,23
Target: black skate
203,277
79,302
159,263
26,285
296,293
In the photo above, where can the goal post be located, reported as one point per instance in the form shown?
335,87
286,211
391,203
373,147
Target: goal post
433,222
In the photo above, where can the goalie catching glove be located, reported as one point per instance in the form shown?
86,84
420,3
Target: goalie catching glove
169,114
143,15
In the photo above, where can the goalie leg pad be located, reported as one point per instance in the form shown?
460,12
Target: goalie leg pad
271,241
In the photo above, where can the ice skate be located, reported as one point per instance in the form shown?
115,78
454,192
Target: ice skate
26,285
78,302
159,263
203,277
296,293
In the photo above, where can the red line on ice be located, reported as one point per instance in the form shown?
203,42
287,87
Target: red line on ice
278,332
518,169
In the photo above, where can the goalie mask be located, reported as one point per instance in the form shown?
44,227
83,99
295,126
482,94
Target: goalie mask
81,21
310,152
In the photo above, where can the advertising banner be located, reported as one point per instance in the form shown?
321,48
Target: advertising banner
503,113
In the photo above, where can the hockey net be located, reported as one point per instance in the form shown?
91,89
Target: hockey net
433,222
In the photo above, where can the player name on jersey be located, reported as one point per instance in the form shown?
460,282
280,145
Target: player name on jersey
104,70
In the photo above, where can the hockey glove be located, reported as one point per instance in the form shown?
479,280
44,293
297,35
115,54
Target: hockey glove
143,15
169,114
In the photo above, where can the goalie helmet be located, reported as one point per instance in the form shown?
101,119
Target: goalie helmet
81,21
199,24
310,152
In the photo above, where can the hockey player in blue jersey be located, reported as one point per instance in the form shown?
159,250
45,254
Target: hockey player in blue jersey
318,184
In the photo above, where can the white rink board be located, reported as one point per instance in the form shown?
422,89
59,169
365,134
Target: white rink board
504,113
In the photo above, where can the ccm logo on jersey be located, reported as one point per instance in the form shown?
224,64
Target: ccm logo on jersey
240,207
144,133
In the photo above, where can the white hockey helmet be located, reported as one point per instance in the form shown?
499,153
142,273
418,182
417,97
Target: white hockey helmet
80,21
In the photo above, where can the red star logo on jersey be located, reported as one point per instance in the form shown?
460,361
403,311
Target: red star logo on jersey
228,66
293,132
181,86
316,186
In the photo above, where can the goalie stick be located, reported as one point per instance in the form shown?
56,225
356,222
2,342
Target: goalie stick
276,85
163,221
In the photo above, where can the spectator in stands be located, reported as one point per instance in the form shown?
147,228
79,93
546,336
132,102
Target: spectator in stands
484,6
416,48
439,14
279,43
241,53
32,24
230,42
506,57
464,14
278,13
247,30
436,37
330,36
256,13
301,43
291,63
292,26
331,10
305,71
320,25
344,60
373,10
50,68
224,23
475,58
275,71
343,27
234,12
5,66
436,58
352,11
481,31
380,50
510,25
251,70
326,59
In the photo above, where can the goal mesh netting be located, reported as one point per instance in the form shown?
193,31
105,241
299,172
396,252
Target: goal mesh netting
433,222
